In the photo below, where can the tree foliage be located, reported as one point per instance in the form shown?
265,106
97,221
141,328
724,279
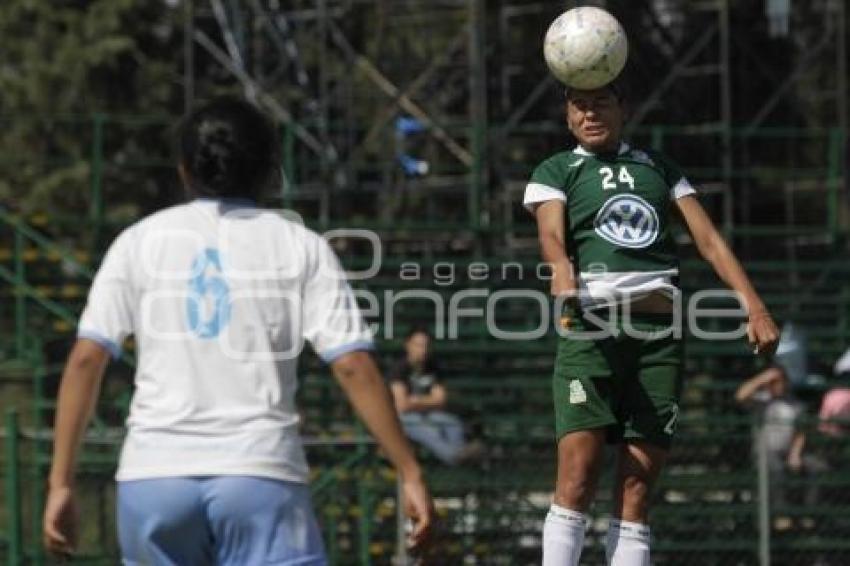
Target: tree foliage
63,62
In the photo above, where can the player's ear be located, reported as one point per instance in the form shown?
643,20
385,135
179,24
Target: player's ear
567,115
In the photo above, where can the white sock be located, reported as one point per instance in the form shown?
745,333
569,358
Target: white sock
627,544
563,536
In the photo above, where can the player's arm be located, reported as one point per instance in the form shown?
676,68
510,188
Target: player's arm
78,393
550,233
761,330
360,379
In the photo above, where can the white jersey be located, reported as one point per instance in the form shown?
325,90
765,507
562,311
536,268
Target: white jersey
220,297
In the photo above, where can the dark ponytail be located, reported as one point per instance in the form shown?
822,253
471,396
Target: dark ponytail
229,149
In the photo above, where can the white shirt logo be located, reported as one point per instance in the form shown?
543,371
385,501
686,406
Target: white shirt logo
577,392
628,221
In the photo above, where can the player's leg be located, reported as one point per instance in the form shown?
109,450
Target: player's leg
650,411
582,390
579,457
640,464
162,522
262,521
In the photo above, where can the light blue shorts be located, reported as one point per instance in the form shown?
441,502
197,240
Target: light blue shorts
222,520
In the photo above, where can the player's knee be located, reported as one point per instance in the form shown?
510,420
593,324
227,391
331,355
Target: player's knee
636,488
635,497
574,491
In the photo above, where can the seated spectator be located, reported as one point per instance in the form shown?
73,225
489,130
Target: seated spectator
768,392
834,412
420,399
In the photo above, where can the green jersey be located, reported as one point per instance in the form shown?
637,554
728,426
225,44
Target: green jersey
618,213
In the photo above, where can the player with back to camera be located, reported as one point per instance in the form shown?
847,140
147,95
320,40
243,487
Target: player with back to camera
603,212
219,295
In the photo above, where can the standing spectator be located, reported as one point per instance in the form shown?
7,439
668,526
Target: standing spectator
421,398
768,392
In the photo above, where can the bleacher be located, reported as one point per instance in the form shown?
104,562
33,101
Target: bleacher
705,510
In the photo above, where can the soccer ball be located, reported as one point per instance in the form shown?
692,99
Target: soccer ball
585,48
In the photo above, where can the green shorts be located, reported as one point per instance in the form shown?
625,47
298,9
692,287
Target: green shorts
629,385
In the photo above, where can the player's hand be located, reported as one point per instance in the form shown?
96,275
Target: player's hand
60,521
762,333
563,283
419,507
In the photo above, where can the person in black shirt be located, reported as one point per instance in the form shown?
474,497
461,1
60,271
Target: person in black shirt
420,399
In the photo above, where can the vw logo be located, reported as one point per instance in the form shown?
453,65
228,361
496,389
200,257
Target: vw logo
628,221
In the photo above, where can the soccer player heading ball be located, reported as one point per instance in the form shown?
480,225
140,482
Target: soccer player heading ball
220,295
603,212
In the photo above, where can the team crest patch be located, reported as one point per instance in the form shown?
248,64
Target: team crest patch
577,393
627,220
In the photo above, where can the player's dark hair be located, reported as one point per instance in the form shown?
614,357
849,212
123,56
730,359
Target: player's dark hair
618,88
229,149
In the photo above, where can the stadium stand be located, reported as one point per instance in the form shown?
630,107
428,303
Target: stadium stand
504,390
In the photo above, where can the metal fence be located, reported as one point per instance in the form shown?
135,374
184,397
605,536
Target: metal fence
719,502
354,495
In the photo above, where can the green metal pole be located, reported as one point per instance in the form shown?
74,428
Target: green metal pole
478,110
288,164
763,499
20,297
13,501
401,556
834,179
364,502
333,516
96,206
41,457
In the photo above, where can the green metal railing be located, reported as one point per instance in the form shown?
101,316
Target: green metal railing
12,486
329,485
356,477
17,277
824,164
29,348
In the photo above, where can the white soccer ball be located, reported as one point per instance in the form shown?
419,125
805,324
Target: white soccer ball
585,48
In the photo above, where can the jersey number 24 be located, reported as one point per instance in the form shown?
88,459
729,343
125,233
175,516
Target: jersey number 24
608,182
